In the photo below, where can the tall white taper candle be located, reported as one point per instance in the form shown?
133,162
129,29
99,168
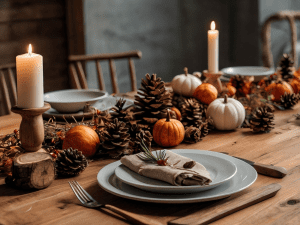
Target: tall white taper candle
30,86
213,49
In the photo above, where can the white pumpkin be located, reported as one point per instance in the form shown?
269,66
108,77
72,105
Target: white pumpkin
227,113
185,84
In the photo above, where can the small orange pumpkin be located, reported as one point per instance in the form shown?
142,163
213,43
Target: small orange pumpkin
168,132
297,73
278,88
83,138
206,93
231,90
296,84
177,113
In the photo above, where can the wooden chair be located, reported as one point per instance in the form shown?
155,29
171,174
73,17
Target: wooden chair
8,89
78,76
290,16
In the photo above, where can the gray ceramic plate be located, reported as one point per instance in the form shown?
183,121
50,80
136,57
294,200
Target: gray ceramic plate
102,105
258,72
245,177
220,170
72,101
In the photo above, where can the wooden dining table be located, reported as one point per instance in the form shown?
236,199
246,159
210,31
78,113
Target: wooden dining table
57,203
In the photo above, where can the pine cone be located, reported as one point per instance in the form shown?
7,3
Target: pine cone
152,101
288,100
192,112
192,134
115,139
120,113
240,85
137,134
70,162
262,119
102,118
286,63
204,128
178,100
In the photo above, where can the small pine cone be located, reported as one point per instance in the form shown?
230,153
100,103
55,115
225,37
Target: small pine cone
102,118
121,113
178,100
70,162
286,64
192,111
262,119
204,128
192,134
288,100
137,135
115,139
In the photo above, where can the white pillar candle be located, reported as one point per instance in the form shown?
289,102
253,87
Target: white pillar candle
213,49
30,86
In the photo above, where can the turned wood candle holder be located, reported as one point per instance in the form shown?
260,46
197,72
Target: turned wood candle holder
214,79
32,127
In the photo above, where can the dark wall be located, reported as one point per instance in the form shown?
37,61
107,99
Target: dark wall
171,34
41,23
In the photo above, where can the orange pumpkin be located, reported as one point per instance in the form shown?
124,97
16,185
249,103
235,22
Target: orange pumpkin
83,138
206,93
168,132
296,84
297,73
177,113
231,90
278,88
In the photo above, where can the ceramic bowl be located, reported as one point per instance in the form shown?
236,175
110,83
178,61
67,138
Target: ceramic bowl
71,101
258,72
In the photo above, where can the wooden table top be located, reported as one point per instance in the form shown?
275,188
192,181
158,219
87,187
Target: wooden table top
57,204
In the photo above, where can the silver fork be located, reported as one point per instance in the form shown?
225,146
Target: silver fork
89,202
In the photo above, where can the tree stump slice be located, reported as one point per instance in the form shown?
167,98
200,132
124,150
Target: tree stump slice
33,170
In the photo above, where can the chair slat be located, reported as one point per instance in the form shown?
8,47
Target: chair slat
82,77
100,76
7,104
113,75
74,76
132,74
13,87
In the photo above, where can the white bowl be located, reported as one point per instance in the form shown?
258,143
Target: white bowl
258,72
73,100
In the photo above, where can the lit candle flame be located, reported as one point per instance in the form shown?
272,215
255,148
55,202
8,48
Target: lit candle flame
213,25
29,49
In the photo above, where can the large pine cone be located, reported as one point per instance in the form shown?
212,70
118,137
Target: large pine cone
288,100
70,162
152,101
137,136
192,112
120,113
286,63
262,119
115,139
102,118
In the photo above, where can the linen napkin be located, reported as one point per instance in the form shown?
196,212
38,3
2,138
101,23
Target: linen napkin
175,175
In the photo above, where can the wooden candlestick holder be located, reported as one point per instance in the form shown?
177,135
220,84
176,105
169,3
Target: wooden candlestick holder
32,127
214,79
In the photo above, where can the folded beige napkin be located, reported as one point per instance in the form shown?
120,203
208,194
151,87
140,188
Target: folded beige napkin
175,175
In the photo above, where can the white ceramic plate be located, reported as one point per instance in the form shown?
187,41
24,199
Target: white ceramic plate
73,100
102,105
245,176
258,72
220,170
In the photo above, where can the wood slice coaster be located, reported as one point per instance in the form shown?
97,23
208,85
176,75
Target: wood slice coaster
33,170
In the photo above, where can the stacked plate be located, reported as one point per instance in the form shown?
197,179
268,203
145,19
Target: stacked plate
229,176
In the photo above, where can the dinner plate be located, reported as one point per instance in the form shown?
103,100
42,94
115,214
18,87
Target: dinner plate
220,170
104,104
244,177
258,72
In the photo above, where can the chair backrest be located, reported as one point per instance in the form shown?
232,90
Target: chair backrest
8,89
291,16
78,76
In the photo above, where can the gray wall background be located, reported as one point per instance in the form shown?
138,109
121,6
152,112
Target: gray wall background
172,34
